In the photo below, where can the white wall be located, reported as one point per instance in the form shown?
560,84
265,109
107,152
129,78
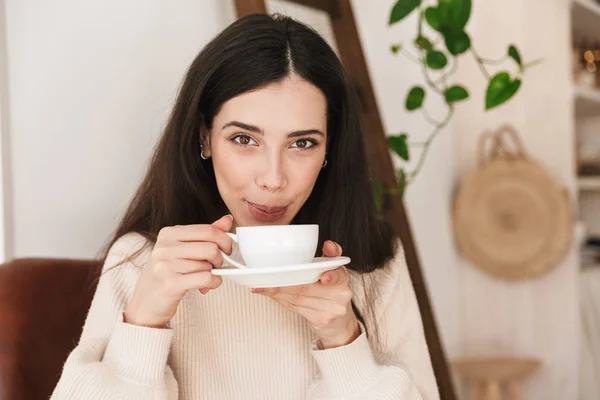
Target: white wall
91,84
536,318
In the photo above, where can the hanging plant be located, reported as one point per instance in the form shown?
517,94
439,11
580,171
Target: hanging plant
437,54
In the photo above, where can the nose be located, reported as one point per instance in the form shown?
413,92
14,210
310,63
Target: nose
272,176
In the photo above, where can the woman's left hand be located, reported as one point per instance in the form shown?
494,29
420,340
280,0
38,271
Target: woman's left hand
325,304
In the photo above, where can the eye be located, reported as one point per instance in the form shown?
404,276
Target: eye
304,144
243,140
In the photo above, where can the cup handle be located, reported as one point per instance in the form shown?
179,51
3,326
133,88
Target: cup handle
229,259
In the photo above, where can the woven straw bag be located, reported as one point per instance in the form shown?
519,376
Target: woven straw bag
511,218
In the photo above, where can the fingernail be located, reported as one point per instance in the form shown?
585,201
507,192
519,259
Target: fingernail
339,247
258,290
230,216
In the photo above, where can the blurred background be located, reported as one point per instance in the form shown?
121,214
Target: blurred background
86,87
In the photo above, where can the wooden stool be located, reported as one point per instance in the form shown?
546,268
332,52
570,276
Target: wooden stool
486,377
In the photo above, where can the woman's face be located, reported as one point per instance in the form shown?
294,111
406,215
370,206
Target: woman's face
268,147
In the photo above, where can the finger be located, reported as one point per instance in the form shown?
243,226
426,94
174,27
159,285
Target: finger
313,316
267,291
274,291
314,303
331,249
338,276
195,232
198,280
328,277
224,223
199,233
194,251
189,266
341,293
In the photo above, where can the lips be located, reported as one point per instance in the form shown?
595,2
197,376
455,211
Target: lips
266,213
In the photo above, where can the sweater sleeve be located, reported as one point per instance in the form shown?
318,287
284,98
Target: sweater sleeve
113,359
397,366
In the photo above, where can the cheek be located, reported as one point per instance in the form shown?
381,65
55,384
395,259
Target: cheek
231,176
304,178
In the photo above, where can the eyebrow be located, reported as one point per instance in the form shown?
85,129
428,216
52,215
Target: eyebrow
256,129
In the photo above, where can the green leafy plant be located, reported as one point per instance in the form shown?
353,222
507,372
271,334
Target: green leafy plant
437,54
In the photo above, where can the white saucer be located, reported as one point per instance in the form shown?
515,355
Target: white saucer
289,275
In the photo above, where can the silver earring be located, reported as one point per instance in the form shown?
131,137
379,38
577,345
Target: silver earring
324,164
202,156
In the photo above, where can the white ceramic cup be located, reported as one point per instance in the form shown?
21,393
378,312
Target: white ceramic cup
275,245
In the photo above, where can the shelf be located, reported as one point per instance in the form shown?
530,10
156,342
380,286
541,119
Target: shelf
587,101
585,19
588,183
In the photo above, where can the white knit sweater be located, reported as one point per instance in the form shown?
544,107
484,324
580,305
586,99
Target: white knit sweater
233,344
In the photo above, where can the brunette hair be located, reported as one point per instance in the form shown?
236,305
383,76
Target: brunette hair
180,188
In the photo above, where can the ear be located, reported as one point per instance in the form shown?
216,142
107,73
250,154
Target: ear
206,147
205,141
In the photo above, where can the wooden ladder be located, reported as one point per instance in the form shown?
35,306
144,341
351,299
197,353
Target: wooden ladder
380,162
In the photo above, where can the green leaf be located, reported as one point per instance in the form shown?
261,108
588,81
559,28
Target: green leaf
436,60
395,48
500,89
514,54
433,18
423,43
378,194
455,13
415,98
456,93
444,7
399,145
451,15
457,42
402,9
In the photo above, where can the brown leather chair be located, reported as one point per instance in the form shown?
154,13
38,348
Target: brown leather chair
43,305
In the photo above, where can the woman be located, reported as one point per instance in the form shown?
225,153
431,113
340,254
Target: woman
264,131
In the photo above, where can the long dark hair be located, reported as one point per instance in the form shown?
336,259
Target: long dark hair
180,188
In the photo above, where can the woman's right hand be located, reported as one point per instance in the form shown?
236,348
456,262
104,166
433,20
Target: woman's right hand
182,260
